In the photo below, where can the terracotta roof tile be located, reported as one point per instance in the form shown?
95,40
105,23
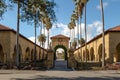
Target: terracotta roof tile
117,28
2,27
60,36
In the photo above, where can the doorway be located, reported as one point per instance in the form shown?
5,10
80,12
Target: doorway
60,57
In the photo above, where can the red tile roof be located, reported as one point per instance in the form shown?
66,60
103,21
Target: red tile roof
114,29
117,28
2,27
59,36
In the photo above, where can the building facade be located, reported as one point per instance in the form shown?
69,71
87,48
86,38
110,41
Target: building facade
26,47
94,48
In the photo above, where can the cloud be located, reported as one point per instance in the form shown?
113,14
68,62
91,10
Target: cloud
105,4
37,42
59,25
33,40
93,29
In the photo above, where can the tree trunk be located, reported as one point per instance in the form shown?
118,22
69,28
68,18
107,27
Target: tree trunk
80,35
17,37
35,39
103,39
48,40
85,36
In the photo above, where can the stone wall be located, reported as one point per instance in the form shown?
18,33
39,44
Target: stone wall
8,43
111,41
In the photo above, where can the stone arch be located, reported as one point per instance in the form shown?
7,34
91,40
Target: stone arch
100,52
39,55
118,53
32,55
92,55
87,56
27,54
84,55
1,54
63,47
20,54
35,57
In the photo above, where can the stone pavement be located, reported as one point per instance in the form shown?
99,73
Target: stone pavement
58,75
60,65
60,72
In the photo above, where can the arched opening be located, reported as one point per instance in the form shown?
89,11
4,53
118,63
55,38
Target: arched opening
84,56
100,52
32,55
87,56
15,54
92,56
1,54
27,54
60,52
118,53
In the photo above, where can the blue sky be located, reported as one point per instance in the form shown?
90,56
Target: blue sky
64,10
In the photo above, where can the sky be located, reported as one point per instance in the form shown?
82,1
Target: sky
64,11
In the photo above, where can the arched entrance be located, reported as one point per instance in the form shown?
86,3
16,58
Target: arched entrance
62,55
60,42
15,54
1,55
100,52
92,56
118,53
27,55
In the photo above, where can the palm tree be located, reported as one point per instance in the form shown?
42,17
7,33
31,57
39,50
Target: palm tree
70,27
42,39
3,8
80,4
82,41
48,27
74,18
17,37
31,11
74,44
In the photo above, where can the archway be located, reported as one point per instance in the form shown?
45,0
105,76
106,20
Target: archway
118,53
20,54
32,55
62,47
92,56
27,54
87,55
1,54
100,52
84,56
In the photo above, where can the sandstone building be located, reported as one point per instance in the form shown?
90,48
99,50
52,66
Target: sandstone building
94,48
8,47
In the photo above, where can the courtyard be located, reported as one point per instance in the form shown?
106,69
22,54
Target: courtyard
59,75
60,72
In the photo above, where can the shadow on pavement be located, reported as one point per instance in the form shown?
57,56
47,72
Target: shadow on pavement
39,77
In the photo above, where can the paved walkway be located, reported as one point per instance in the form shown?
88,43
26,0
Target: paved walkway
58,75
60,72
61,65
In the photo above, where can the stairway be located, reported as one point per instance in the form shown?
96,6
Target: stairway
61,65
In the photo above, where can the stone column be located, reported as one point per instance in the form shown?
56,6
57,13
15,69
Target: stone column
71,59
50,59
